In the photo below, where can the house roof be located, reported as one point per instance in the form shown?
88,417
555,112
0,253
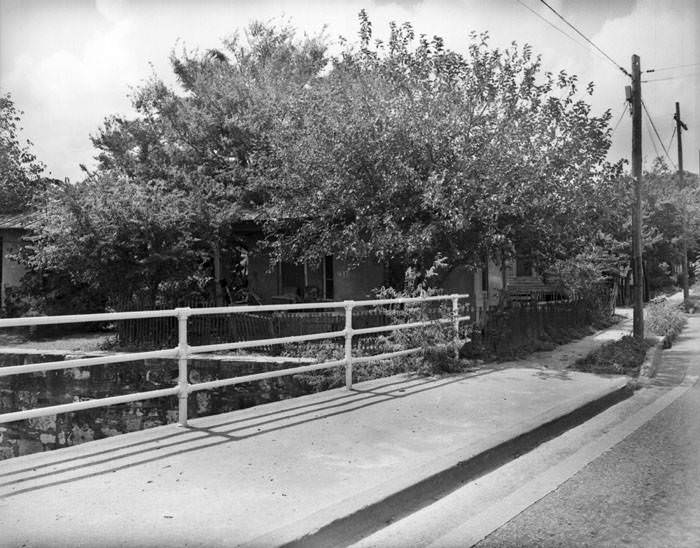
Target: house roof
17,221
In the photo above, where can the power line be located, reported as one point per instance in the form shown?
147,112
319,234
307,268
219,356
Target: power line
624,110
651,138
673,67
657,134
586,39
551,24
671,77
672,135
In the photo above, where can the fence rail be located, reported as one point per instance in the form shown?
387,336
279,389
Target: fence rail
184,351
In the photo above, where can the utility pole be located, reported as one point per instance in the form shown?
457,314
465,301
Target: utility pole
638,318
680,126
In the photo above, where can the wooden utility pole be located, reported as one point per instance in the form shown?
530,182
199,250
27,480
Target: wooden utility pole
680,126
638,319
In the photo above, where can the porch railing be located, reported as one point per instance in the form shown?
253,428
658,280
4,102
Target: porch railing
183,351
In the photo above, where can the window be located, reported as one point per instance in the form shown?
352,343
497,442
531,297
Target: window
328,277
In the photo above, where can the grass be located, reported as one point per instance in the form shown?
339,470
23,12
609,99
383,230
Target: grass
621,357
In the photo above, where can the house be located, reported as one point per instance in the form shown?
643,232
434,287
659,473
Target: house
336,280
332,280
13,226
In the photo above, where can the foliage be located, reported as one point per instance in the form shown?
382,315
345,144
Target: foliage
160,213
20,171
408,150
115,236
672,215
588,277
582,274
664,318
439,353
402,151
435,340
622,357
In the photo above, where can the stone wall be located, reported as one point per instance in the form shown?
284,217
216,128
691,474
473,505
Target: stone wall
47,388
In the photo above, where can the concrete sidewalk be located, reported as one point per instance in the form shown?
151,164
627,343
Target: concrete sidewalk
271,474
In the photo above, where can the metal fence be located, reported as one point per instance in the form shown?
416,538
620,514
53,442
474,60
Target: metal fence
183,351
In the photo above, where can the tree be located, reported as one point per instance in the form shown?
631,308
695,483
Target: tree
20,172
672,212
117,237
171,183
411,153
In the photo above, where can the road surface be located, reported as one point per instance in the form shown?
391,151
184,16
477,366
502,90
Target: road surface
628,477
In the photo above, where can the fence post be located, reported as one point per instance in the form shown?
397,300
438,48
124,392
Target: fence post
348,343
183,350
455,316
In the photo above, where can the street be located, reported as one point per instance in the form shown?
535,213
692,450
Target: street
643,492
629,476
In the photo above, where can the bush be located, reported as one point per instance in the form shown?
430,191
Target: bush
436,340
664,318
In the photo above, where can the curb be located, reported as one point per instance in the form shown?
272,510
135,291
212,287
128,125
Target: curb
651,362
370,511
650,365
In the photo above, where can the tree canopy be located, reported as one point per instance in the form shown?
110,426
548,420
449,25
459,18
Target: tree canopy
172,183
20,171
409,150
390,151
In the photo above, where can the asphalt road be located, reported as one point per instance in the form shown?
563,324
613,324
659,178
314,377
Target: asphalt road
629,476
644,492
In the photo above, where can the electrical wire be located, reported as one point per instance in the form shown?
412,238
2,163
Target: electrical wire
553,25
672,136
673,67
617,124
586,39
651,138
657,134
671,77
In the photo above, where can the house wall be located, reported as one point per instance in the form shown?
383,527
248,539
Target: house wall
464,280
358,282
11,272
260,281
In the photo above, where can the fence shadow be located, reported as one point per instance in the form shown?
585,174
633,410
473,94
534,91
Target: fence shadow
165,442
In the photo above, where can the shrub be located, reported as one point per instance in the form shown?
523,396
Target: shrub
436,340
664,318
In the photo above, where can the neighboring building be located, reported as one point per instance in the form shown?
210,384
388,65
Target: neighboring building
12,227
335,280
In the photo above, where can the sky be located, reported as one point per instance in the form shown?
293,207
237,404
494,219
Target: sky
70,63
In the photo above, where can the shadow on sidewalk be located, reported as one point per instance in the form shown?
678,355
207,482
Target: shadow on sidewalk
163,442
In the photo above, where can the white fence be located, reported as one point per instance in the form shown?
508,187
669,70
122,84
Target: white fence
183,351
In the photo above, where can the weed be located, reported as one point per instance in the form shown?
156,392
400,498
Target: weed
621,357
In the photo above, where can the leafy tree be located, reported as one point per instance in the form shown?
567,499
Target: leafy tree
411,152
118,237
20,171
158,215
672,211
